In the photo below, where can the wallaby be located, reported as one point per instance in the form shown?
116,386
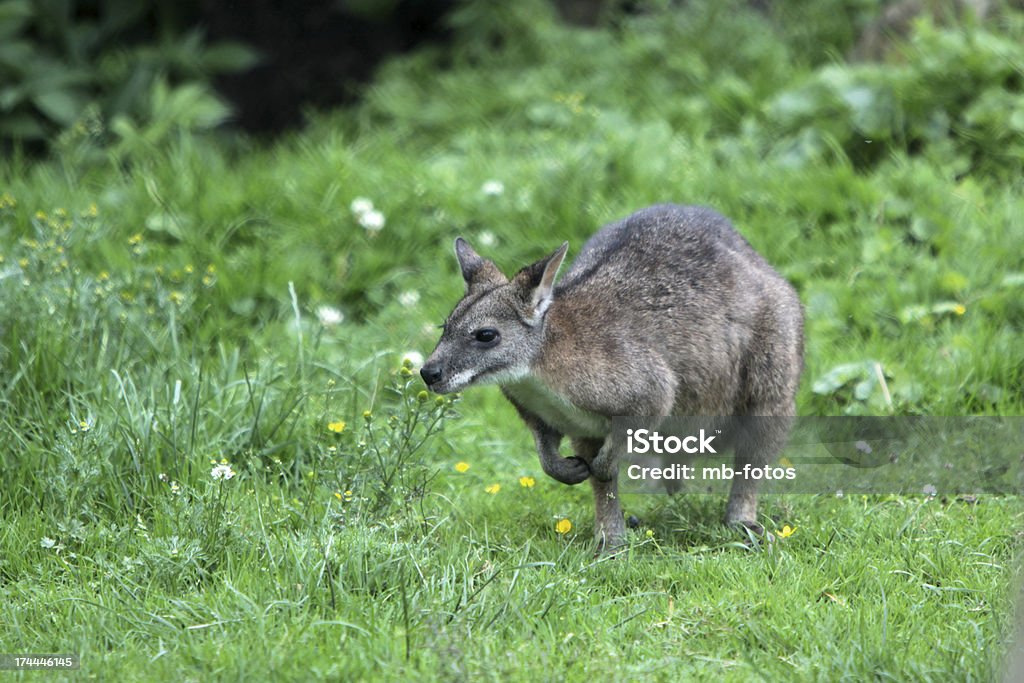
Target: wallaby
667,312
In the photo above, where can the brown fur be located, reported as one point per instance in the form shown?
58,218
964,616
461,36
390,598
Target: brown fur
668,312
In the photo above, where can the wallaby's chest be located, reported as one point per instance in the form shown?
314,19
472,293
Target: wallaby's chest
556,410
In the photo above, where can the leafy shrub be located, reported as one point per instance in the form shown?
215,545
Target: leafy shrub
958,98
65,65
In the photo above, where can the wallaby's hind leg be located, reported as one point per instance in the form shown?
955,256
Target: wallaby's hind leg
609,525
758,443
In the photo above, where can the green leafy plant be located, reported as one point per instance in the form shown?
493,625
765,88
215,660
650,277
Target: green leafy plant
62,70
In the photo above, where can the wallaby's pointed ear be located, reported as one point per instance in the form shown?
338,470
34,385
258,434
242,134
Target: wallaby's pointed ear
476,270
537,281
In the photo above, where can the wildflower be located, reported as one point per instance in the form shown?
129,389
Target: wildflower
372,221
487,238
461,467
367,415
190,269
527,482
493,488
563,526
493,188
103,276
337,494
41,215
649,533
360,206
222,472
787,531
84,426
959,309
930,490
409,298
422,397
348,496
135,240
329,316
175,488
412,359
176,297
337,426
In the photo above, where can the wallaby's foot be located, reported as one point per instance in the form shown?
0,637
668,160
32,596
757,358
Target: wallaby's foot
747,525
742,505
610,538
611,551
570,471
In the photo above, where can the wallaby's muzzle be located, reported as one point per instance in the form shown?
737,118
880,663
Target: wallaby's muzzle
431,373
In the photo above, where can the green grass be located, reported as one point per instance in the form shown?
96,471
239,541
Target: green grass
159,312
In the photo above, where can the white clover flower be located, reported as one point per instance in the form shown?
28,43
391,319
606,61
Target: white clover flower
360,206
372,220
487,239
222,472
493,188
409,298
414,358
329,316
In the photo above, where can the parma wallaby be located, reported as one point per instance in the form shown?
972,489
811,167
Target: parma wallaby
667,312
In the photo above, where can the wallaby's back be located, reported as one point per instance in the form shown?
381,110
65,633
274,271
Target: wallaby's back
681,283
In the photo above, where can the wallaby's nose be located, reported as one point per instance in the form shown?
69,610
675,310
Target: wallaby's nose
430,373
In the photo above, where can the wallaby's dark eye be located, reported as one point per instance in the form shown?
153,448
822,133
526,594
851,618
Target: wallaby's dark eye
486,335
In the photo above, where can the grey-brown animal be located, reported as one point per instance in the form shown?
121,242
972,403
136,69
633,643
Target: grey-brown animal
667,312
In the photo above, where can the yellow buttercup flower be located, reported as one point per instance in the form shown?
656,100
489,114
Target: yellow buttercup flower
337,427
787,531
563,526
461,467
527,482
493,488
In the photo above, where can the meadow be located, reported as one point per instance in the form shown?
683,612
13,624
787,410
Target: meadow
218,462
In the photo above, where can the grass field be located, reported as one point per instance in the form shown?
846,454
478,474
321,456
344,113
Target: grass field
215,466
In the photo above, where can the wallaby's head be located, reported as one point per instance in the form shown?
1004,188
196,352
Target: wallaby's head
497,328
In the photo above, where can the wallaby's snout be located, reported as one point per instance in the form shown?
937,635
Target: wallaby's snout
431,373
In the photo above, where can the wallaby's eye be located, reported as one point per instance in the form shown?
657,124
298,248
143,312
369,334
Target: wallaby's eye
486,335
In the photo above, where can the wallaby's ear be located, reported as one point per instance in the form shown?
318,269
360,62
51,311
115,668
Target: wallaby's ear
537,281
476,271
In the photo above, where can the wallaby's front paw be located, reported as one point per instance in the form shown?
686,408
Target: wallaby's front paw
568,470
